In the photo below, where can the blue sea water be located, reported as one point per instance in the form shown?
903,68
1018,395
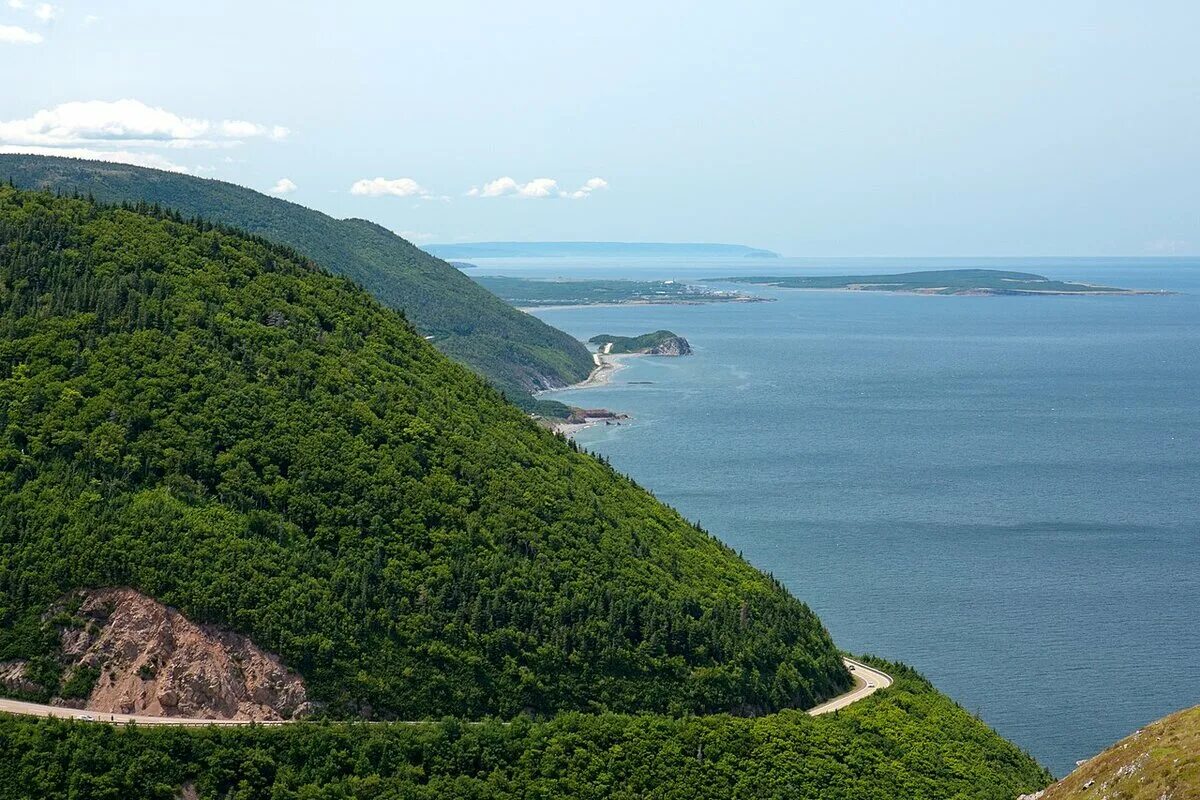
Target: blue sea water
999,491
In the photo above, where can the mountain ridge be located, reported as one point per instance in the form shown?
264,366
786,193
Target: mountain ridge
517,352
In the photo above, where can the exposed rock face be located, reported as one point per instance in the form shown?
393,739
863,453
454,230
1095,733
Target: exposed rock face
675,346
153,660
13,679
582,415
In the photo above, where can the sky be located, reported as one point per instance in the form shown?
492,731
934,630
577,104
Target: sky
814,129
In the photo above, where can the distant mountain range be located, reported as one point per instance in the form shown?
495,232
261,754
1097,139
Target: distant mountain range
596,249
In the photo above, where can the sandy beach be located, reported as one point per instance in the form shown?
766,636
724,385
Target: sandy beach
606,367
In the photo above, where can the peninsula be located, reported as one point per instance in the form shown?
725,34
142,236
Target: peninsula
944,282
541,293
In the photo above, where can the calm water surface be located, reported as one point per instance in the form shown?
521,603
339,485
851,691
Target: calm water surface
999,491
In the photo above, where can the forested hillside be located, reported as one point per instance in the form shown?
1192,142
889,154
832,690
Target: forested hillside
518,353
210,419
909,743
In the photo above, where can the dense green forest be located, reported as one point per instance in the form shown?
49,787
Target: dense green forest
516,352
907,743
209,418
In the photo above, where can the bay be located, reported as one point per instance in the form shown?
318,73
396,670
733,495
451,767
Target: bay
998,491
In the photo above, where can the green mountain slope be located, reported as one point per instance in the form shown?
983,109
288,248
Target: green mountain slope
208,418
518,353
908,743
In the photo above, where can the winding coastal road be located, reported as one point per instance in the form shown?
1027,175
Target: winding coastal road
867,681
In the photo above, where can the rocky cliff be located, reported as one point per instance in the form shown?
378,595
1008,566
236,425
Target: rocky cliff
674,346
124,652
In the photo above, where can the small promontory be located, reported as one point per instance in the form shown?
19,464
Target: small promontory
659,343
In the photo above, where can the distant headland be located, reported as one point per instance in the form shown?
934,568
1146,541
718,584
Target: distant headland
943,282
470,250
658,343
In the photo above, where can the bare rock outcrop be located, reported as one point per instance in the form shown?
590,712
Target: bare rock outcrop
673,346
13,677
151,659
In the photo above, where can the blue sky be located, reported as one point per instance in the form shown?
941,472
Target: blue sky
882,128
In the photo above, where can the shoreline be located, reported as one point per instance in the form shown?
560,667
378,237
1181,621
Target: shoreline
602,374
975,292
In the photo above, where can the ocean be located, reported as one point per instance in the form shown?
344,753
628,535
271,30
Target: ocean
999,491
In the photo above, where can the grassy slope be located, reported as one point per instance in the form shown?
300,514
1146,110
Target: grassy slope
515,351
209,419
1160,761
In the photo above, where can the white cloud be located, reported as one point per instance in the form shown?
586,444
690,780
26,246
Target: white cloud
11,34
537,189
91,19
592,185
118,156
283,186
397,187
240,129
415,236
45,12
130,122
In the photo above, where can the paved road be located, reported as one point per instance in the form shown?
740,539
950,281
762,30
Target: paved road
38,710
866,682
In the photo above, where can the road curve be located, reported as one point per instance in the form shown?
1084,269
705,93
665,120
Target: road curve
867,681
